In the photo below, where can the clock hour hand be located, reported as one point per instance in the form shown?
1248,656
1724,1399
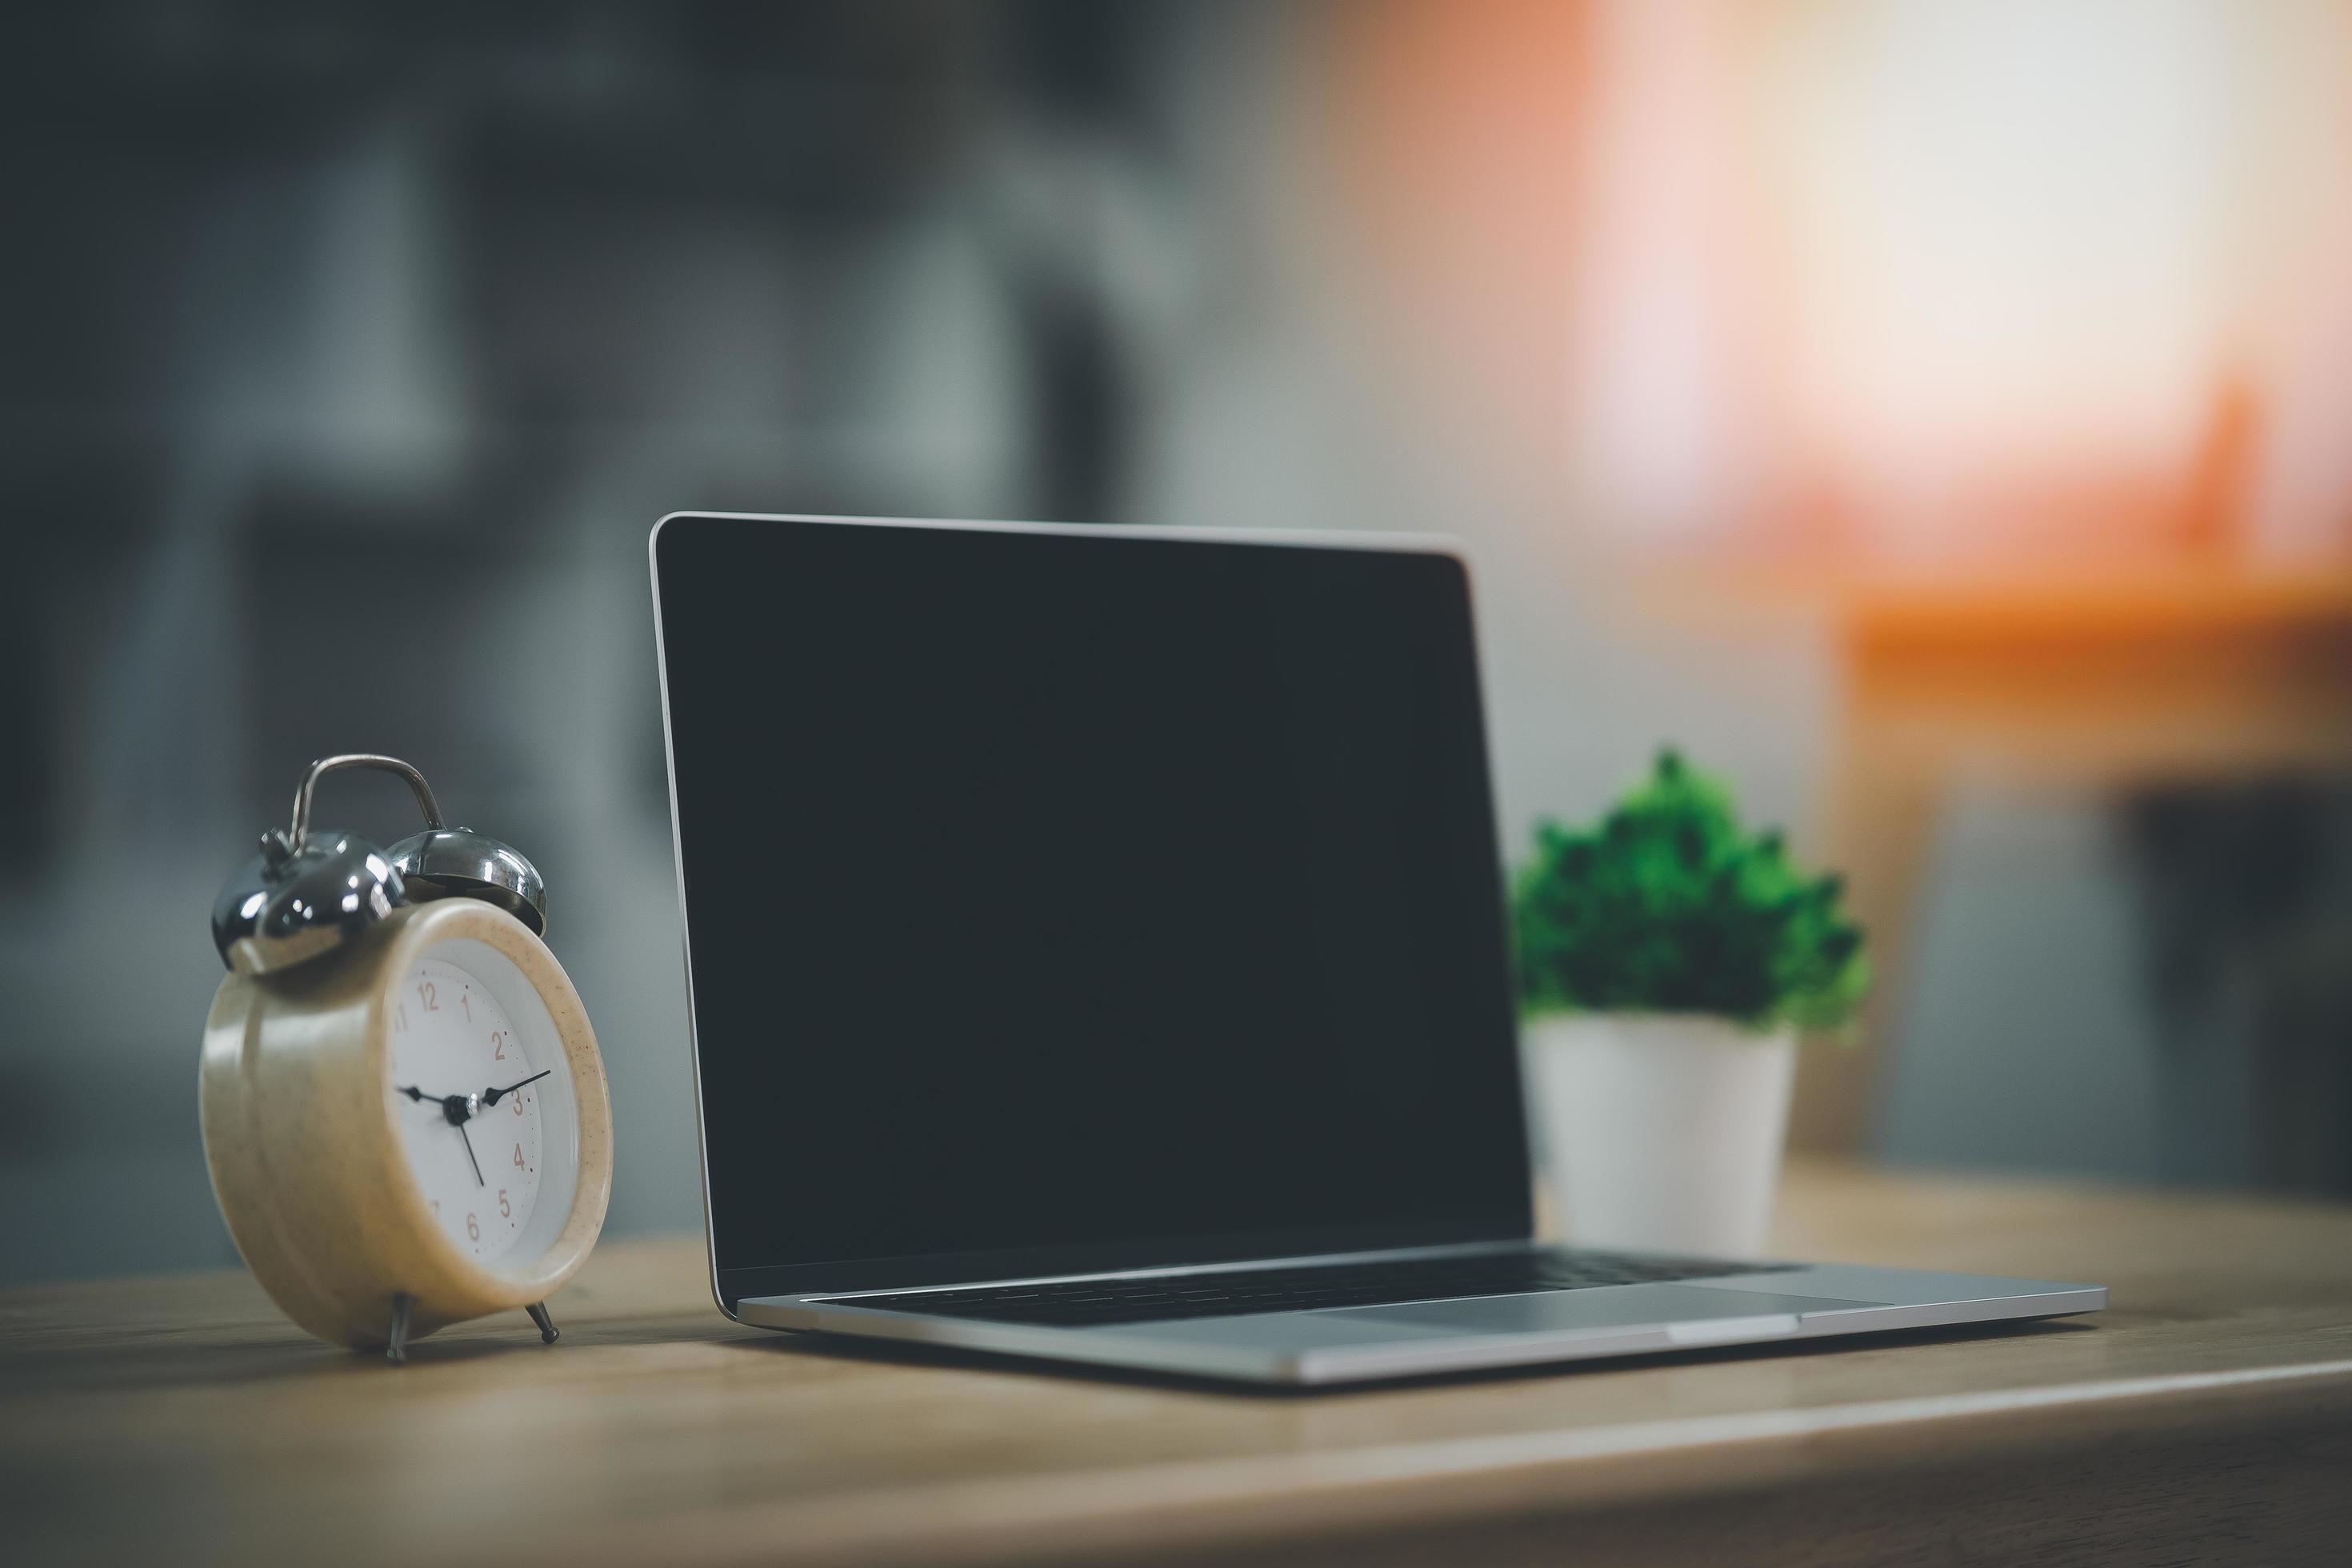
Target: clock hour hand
492,1096
458,1108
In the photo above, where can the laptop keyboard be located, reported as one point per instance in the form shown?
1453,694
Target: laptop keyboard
1089,1303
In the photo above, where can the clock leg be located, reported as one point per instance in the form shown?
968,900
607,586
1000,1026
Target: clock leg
396,1350
537,1311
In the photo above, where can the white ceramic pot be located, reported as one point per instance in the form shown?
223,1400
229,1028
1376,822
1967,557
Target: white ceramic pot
1661,1131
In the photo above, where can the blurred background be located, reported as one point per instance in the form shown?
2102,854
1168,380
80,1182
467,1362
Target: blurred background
1936,416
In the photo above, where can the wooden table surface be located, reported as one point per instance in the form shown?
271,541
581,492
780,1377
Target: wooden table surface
2207,1416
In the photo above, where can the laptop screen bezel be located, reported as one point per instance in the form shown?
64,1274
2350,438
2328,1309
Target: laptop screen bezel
1510,1222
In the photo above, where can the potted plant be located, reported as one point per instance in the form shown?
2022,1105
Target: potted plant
1668,960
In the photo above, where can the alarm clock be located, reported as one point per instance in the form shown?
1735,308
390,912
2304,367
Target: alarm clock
405,1114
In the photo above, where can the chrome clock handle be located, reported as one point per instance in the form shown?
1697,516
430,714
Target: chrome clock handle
325,765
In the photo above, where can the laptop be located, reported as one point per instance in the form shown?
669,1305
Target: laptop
1095,951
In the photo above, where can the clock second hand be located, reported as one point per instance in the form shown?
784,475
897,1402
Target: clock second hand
469,1156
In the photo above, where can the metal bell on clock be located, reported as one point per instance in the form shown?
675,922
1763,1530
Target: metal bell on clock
459,863
302,898
310,892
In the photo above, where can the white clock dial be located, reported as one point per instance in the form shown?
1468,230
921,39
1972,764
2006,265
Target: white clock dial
472,1128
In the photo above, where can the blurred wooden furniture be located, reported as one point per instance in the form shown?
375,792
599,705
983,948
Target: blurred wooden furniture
2206,1416
2091,681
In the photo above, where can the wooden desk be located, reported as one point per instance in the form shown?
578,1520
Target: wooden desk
2206,1416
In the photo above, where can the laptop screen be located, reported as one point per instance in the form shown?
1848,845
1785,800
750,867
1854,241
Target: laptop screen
1061,902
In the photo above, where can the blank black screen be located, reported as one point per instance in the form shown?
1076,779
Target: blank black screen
1083,901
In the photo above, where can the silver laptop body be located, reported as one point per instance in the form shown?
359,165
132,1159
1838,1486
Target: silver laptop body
1204,1314
1356,1344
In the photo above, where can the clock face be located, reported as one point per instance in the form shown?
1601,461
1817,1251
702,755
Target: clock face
471,1097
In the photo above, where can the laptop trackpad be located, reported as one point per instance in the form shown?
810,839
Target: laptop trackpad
1747,1313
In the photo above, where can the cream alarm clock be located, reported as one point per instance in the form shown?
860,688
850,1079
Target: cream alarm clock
404,1108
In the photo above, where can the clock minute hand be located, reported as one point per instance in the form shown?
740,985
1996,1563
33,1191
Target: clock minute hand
492,1096
459,1110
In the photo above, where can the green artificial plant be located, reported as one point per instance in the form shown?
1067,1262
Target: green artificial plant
1667,905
